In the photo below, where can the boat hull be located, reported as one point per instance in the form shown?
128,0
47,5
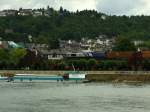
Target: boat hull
35,78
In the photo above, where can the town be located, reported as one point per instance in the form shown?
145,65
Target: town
97,52
44,38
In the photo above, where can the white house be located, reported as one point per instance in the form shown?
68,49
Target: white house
25,12
3,14
37,13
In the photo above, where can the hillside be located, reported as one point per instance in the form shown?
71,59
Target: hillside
66,25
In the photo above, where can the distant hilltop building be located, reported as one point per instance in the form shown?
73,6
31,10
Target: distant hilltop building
37,13
25,12
8,13
3,14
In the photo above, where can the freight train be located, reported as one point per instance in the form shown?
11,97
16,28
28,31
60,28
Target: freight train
113,55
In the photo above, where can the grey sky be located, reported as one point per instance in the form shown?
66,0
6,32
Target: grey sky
118,7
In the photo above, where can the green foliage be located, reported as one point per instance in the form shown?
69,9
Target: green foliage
9,59
113,64
146,64
82,64
124,44
4,57
63,24
91,64
53,43
16,54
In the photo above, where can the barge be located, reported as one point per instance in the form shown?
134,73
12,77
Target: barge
68,76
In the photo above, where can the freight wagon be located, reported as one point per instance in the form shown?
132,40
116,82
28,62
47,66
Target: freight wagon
146,54
119,55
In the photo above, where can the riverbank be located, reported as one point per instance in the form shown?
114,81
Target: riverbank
96,76
116,78
120,76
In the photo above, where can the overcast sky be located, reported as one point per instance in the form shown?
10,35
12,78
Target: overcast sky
114,7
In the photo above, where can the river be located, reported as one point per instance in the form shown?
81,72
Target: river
72,97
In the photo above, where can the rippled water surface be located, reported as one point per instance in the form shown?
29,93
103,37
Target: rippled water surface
71,97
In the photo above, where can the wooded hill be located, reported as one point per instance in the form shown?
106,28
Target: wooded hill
66,25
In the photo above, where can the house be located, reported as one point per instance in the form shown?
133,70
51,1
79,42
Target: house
37,13
104,44
25,12
39,47
47,13
3,14
70,46
11,12
52,55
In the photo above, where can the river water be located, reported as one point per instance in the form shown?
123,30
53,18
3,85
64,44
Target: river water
72,97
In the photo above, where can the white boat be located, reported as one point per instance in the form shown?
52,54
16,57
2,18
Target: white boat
74,75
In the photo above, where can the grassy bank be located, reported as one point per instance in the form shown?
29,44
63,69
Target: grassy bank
118,78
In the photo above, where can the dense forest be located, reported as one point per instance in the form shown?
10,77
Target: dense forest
63,24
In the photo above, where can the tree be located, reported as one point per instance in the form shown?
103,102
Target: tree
61,10
92,64
16,54
3,55
53,43
4,59
124,44
82,64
